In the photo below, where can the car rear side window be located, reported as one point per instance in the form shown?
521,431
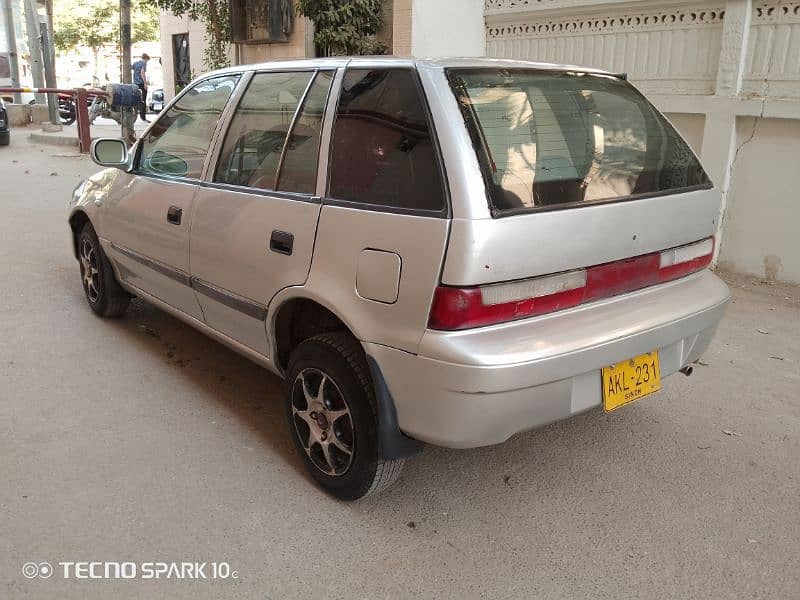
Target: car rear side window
551,140
257,134
178,142
298,171
382,151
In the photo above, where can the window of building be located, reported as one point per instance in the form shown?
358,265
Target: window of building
180,61
261,21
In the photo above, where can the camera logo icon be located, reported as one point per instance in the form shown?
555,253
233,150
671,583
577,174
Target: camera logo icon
31,570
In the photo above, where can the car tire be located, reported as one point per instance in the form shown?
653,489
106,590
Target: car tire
329,391
5,138
103,293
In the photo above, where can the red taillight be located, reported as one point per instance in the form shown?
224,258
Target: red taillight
464,307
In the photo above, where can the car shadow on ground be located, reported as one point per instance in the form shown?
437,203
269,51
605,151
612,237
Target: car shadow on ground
255,397
246,390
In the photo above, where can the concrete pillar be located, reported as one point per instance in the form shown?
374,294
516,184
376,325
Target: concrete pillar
733,47
34,47
719,134
439,28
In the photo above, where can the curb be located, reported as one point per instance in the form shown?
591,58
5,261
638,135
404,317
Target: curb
54,140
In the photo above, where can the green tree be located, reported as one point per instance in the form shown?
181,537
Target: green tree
213,14
345,27
95,23
144,23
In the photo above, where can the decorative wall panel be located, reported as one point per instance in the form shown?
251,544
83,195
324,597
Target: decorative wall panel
672,50
772,63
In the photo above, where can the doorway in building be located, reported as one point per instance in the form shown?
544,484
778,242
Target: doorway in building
180,61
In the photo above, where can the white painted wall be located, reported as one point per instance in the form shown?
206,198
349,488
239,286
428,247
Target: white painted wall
690,127
762,224
447,28
170,25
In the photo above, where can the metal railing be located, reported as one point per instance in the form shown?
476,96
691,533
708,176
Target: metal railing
80,97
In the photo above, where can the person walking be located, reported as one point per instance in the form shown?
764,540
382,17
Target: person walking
139,69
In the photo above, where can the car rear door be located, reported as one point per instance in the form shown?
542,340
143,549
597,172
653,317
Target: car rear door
256,214
579,169
147,218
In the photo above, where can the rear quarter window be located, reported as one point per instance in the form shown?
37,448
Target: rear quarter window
553,140
382,150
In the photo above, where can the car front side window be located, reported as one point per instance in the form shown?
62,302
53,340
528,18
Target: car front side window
178,143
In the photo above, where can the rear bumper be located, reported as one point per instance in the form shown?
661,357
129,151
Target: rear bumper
480,387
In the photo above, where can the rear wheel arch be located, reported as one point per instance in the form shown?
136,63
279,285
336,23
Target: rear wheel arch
77,221
301,318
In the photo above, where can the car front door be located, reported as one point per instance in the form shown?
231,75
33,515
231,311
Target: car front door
255,216
147,219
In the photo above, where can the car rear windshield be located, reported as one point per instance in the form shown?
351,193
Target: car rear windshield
550,140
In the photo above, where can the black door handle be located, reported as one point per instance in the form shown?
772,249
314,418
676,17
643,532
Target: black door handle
281,242
174,215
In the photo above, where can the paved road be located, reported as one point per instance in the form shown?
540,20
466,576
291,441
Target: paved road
141,440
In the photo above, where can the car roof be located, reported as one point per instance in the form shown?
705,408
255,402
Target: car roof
400,61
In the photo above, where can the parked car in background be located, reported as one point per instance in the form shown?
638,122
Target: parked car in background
156,103
427,251
5,130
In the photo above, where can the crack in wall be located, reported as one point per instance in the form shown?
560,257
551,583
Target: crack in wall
756,120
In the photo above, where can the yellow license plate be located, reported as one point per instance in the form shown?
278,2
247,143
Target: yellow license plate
630,380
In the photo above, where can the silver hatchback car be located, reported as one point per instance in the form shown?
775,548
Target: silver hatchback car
427,251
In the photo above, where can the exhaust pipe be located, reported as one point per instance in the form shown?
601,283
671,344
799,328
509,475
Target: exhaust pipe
687,370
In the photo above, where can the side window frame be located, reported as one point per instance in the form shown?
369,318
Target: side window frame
227,119
139,146
338,88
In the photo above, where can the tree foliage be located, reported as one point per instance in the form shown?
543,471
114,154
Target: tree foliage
144,23
345,27
95,23
213,14
83,24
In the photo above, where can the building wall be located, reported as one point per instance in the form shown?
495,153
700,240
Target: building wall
433,28
762,225
716,68
297,47
690,127
171,25
440,28
401,24
437,30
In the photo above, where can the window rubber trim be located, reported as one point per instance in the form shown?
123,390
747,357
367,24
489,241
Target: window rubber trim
510,212
242,189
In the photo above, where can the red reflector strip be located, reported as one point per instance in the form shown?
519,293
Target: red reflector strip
462,308
621,276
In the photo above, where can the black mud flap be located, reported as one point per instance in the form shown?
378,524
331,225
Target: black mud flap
392,443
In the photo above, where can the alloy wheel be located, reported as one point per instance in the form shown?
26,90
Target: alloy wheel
323,422
90,270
